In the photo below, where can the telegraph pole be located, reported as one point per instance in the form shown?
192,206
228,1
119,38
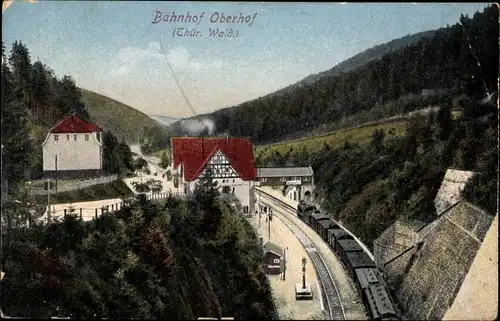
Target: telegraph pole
48,200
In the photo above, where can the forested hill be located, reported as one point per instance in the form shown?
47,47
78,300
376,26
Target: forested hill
116,117
444,62
371,54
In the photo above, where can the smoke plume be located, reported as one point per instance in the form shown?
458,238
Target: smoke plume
197,126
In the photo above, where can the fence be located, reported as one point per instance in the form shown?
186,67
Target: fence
75,186
90,213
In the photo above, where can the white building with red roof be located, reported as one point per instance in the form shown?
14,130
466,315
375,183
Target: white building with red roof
230,161
73,149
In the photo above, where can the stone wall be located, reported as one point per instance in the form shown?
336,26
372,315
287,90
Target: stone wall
449,192
478,295
439,268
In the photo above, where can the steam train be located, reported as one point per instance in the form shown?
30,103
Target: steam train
358,264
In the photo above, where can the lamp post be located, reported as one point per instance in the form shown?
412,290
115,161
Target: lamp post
284,263
269,223
304,262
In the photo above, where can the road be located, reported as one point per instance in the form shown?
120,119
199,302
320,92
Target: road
152,160
168,186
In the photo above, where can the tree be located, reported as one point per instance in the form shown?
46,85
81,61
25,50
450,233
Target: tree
20,63
125,155
16,142
141,187
111,157
165,160
378,139
444,120
206,190
141,165
40,87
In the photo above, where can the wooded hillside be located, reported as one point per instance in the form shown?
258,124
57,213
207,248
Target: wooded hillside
33,101
444,62
178,261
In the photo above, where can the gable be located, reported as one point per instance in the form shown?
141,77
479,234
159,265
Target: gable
220,166
74,124
194,153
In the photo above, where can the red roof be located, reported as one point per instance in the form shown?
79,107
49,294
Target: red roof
195,152
74,124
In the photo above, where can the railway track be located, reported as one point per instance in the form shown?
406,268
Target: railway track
330,293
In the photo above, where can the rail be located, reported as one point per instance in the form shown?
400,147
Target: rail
330,291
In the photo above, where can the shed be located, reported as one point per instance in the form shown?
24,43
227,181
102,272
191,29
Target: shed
379,303
366,277
273,254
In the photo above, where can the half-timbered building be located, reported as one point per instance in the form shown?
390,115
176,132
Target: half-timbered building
229,161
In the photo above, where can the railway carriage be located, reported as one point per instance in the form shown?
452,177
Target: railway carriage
366,277
316,218
378,303
325,225
345,246
337,235
356,260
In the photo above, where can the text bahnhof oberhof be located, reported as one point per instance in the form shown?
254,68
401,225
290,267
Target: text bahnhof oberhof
213,17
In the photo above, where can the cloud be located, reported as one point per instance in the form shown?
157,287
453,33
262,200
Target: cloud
153,57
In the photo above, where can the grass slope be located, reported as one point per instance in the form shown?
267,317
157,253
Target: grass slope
361,135
123,120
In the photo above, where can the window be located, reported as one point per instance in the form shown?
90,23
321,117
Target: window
305,179
263,179
67,137
276,261
87,137
225,189
283,179
56,138
233,180
98,135
295,178
74,136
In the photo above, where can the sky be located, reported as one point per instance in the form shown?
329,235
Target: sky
128,50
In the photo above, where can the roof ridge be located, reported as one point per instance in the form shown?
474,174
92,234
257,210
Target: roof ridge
59,123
